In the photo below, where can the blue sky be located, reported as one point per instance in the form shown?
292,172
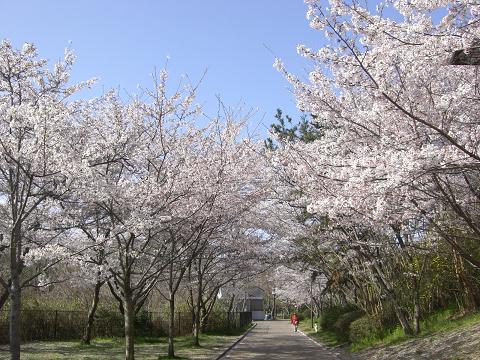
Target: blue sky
121,42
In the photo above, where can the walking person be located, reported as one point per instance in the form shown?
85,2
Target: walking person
294,320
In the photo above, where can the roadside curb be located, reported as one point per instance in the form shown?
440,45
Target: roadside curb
236,342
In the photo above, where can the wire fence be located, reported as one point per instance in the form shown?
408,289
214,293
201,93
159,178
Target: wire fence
70,325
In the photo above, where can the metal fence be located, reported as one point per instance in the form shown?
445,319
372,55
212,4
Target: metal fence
69,325
221,322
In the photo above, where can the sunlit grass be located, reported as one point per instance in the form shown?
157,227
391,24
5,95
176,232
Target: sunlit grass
438,323
325,337
391,337
146,348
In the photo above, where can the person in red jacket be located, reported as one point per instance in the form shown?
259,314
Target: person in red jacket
294,321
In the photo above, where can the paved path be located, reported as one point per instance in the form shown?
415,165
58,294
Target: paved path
277,340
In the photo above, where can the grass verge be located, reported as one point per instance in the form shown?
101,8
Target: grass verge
325,337
146,348
438,323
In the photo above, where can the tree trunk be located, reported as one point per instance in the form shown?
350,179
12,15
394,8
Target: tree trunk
402,318
389,292
191,297
469,302
416,306
206,311
198,314
15,293
129,317
87,334
171,326
203,320
15,316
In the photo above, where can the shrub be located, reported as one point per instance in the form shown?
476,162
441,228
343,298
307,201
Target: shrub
331,314
108,322
387,318
365,327
342,325
303,314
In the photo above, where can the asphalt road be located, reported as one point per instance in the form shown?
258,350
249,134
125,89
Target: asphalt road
277,340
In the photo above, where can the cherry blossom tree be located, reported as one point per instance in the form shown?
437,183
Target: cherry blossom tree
231,255
36,161
233,185
400,142
151,188
292,286
136,166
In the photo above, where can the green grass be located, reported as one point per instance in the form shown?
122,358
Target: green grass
146,348
446,320
325,337
440,322
391,337
437,323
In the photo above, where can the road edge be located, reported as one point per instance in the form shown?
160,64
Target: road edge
236,342
324,347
